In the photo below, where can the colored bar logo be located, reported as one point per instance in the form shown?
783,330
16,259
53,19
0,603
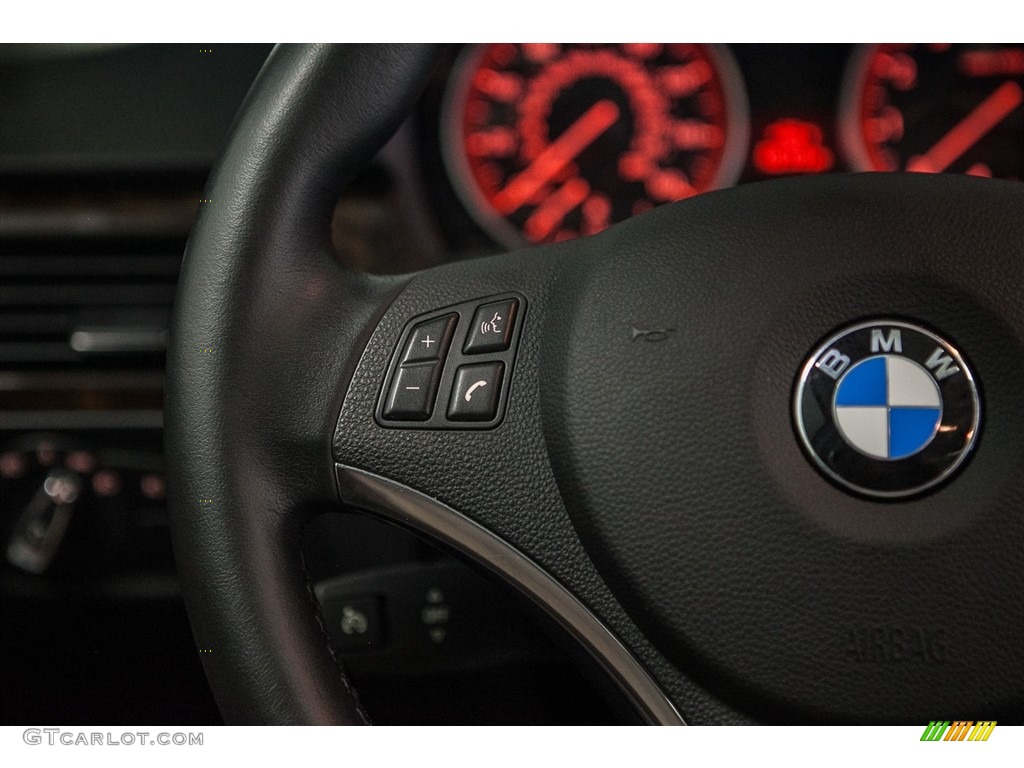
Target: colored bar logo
959,730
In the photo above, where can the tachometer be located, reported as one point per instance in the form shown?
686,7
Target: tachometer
936,108
546,142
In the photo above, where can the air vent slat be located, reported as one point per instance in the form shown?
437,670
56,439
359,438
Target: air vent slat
25,323
59,295
37,352
18,267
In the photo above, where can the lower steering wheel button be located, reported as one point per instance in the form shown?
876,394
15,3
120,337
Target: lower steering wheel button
475,393
412,392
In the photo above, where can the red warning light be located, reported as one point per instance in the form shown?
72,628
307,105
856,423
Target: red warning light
792,146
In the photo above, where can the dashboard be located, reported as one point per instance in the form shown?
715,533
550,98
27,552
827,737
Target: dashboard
104,152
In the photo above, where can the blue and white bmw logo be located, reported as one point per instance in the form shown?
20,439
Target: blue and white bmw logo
887,408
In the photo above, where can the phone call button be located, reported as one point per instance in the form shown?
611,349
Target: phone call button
476,391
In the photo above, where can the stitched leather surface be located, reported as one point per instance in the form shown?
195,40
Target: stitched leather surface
264,327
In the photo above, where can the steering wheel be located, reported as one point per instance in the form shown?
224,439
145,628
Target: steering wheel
631,460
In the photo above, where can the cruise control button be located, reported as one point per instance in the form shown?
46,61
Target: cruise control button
412,392
475,393
430,340
492,327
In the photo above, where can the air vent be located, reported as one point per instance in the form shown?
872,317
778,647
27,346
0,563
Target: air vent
87,279
75,307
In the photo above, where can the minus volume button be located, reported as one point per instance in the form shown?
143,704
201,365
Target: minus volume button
412,393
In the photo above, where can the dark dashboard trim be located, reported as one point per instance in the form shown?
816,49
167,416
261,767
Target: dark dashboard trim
411,509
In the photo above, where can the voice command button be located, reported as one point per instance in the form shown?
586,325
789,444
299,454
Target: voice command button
492,327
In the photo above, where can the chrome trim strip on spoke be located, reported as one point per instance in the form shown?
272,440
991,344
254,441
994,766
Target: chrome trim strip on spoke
409,508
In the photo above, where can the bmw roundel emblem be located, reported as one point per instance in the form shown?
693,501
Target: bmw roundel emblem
887,408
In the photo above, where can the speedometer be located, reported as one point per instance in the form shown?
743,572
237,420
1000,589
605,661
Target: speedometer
547,142
936,108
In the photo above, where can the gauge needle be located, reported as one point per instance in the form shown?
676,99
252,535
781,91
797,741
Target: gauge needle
965,134
556,156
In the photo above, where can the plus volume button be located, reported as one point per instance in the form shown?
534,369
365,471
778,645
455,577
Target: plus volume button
430,340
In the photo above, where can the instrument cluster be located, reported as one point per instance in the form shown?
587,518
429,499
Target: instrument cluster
544,142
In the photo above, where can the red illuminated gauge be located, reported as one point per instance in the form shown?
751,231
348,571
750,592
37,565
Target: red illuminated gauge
548,142
936,108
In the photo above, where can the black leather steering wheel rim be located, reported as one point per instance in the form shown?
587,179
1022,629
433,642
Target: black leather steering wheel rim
273,339
260,250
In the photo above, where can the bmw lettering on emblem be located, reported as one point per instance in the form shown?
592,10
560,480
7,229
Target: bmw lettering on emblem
887,408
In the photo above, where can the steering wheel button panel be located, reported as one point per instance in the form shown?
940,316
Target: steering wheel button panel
476,390
467,349
430,340
492,327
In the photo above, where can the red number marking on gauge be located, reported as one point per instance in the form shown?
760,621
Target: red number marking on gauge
1008,62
